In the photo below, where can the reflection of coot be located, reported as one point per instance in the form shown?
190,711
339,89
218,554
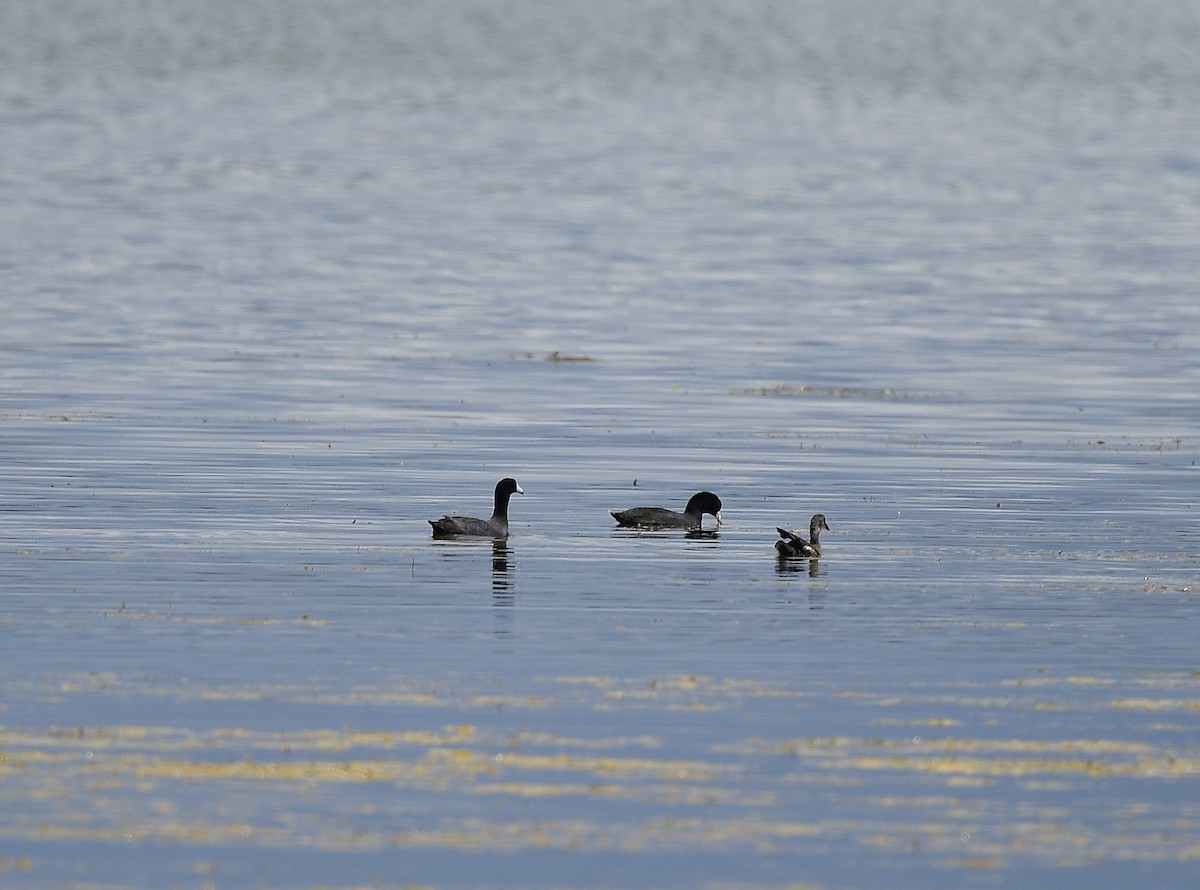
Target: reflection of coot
791,546
502,586
660,517
496,527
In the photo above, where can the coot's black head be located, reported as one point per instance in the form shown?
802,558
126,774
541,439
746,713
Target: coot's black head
507,487
705,502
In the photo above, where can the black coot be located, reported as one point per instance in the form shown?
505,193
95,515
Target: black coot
496,527
660,517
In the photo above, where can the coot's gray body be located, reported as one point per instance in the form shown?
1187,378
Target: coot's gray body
660,517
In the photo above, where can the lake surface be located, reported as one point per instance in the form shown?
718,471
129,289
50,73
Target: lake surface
282,281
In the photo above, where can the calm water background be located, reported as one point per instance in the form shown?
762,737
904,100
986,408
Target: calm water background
281,281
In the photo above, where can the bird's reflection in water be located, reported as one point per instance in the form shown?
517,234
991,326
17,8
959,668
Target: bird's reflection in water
785,566
793,566
502,584
503,594
703,534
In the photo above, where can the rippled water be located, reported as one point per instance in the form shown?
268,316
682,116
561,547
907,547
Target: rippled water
284,281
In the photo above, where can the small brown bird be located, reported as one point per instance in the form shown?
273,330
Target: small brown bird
792,546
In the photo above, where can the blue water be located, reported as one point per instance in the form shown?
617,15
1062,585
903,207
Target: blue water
283,281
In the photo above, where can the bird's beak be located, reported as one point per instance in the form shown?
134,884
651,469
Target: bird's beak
520,490
718,520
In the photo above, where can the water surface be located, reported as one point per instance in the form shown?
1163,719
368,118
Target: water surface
283,284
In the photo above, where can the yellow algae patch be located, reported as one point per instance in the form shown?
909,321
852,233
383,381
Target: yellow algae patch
917,721
1157,768
335,740
355,788
973,863
1161,682
480,835
966,782
140,615
691,832
1088,681
583,835
310,770
391,696
477,761
139,757
159,829
686,692
546,739
546,789
668,795
682,685
1072,746
1045,703
87,682
1155,704
979,767
798,747
597,681
501,701
950,838
58,745
983,757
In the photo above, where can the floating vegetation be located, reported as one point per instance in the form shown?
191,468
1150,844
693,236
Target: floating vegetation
831,392
554,356
969,801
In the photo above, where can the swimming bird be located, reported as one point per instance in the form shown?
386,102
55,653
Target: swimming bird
496,527
659,517
791,545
